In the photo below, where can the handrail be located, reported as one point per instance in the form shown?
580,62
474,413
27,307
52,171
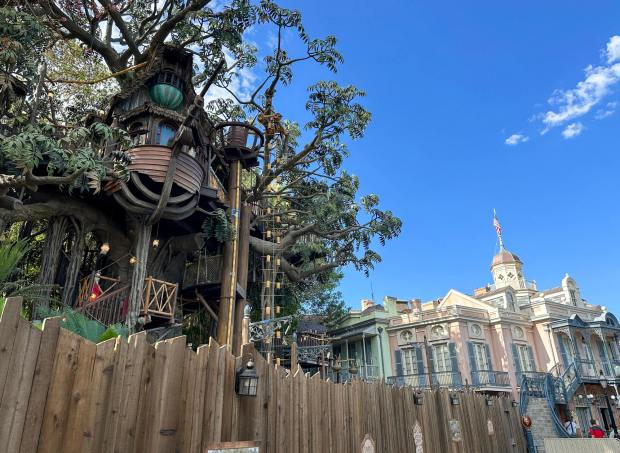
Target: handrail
492,378
438,379
549,392
108,309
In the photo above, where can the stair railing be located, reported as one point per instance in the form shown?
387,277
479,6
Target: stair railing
549,393
108,309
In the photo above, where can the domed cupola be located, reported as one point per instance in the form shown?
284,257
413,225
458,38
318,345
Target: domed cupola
507,267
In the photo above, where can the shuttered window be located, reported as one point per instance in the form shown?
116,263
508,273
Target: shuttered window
441,355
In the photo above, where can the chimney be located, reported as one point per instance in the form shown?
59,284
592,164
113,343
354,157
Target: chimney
416,304
367,303
481,291
402,306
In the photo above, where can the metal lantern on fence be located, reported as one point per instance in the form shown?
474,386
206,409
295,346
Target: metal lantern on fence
418,399
455,400
247,380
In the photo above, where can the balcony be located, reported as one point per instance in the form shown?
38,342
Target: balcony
203,270
586,369
489,378
367,373
440,379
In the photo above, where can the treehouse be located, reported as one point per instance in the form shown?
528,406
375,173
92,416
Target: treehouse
172,161
181,168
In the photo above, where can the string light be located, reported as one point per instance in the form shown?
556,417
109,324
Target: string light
105,248
155,243
133,260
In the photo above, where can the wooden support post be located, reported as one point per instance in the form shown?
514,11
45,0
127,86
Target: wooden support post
228,292
54,238
75,262
245,329
142,243
293,357
242,276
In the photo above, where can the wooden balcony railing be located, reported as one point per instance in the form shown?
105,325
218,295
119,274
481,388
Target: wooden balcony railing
160,297
91,292
110,308
107,302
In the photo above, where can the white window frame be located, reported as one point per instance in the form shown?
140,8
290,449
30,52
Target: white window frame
480,356
441,354
524,360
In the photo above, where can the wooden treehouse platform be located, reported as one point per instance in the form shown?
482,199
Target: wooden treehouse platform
107,300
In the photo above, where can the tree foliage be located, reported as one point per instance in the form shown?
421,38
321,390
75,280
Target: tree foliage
326,223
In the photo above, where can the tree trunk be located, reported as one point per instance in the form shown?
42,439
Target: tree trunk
51,254
75,263
142,244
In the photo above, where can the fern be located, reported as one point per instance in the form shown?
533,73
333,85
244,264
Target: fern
218,226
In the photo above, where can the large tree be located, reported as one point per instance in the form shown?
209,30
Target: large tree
323,222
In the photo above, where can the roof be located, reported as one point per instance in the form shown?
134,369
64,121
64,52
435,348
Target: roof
505,257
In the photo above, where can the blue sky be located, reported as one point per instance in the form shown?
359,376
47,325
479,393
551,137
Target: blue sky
448,83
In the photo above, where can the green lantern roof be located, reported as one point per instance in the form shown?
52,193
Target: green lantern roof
166,95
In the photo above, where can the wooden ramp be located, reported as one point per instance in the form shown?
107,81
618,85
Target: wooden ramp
582,446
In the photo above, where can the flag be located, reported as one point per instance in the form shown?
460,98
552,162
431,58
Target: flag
498,227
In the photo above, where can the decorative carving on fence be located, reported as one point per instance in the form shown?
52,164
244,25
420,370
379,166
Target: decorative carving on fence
368,445
455,430
418,438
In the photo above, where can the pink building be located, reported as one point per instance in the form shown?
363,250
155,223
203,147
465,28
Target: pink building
509,333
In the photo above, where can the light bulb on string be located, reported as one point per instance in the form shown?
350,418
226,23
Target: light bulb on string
104,249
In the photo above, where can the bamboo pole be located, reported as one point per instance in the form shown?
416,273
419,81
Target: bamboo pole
228,292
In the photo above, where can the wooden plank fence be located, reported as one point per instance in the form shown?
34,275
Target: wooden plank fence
59,392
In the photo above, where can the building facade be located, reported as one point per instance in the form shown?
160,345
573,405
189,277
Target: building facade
360,341
507,337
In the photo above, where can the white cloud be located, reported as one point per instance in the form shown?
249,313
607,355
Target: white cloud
597,84
578,101
515,139
572,130
613,49
608,110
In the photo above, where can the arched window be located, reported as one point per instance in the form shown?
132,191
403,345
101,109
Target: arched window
165,134
139,134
